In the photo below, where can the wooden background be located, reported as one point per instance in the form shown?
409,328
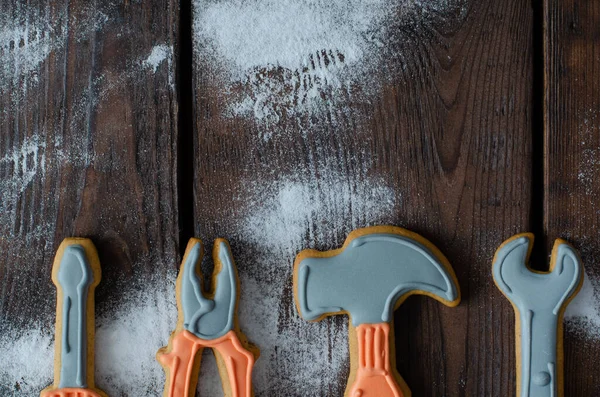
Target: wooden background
487,125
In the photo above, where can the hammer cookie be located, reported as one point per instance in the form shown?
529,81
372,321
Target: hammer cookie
368,278
207,321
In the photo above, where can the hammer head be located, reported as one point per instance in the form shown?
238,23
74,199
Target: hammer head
372,274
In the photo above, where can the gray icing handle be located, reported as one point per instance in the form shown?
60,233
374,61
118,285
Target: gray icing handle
74,277
539,298
208,318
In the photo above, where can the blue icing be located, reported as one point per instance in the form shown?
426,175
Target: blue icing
74,277
538,298
208,318
369,276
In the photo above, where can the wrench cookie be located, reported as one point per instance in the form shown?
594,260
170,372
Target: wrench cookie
207,320
539,300
76,273
368,278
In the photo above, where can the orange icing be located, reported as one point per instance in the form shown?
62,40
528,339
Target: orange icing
373,377
70,392
180,363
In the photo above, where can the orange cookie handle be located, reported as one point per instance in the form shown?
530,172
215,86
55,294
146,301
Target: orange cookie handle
70,392
239,363
179,363
374,377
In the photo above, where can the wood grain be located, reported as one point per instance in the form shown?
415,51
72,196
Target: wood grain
443,122
572,152
87,148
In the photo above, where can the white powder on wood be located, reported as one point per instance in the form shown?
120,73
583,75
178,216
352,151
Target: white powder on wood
280,216
129,335
128,338
589,156
20,167
583,313
292,57
288,52
27,360
251,34
159,54
29,35
25,161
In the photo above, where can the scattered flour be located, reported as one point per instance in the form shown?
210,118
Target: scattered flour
583,313
159,54
286,58
20,167
128,338
25,162
23,48
251,34
23,170
27,360
283,214
144,319
288,55
30,35
589,161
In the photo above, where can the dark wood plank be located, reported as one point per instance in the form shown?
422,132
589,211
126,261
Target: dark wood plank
432,133
572,117
87,148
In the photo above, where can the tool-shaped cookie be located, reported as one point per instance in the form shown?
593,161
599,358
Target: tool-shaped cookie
539,300
370,276
76,273
207,321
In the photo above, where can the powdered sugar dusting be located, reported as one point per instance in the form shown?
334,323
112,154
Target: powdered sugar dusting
31,35
589,163
35,151
288,54
251,34
282,222
159,54
24,45
27,360
288,58
128,338
583,313
28,162
25,161
23,170
25,60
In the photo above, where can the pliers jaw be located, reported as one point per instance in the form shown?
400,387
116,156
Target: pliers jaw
208,316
